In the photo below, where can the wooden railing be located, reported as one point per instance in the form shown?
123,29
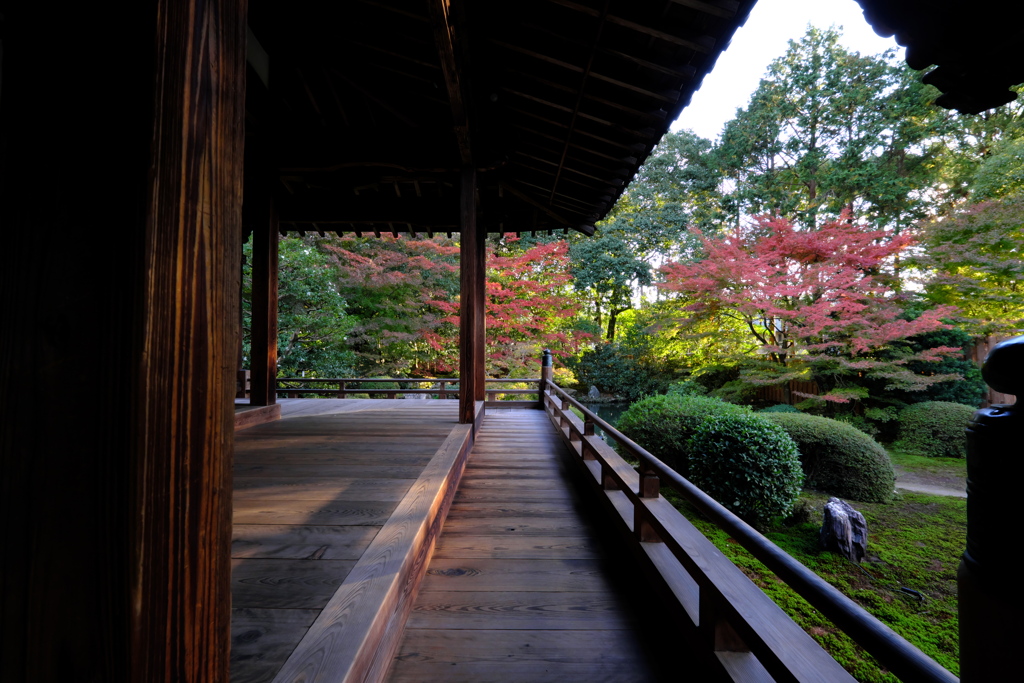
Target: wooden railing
442,388
337,387
748,633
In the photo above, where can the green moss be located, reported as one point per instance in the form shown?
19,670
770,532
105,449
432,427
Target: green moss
914,543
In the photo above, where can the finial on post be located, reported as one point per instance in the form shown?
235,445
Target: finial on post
989,614
545,361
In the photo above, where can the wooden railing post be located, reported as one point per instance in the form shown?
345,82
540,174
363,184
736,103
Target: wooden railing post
547,373
989,614
588,430
649,487
563,421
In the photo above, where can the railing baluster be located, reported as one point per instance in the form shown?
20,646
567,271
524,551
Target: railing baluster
588,431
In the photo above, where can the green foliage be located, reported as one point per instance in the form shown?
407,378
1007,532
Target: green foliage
838,458
780,408
915,542
631,372
687,387
972,258
935,429
747,463
313,325
664,424
827,130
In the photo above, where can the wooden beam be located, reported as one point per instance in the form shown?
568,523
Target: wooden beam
455,75
579,98
522,196
263,352
472,310
669,96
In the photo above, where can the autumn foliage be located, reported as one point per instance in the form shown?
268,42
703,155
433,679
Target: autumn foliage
816,303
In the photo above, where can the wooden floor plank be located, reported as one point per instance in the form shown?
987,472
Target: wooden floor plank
519,587
301,542
320,488
581,547
279,583
262,638
311,493
516,655
523,610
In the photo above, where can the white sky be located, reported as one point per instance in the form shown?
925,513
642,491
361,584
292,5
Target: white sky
765,36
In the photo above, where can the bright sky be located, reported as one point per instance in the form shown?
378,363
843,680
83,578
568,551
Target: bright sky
765,36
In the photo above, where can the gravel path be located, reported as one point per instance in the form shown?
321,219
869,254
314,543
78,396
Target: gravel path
934,484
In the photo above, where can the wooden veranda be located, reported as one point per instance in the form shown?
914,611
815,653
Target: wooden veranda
142,142
338,506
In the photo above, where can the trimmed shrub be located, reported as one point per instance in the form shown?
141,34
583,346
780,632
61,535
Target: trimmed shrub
780,408
664,424
748,463
935,429
838,458
687,387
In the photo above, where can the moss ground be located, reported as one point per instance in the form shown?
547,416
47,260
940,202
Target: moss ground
908,580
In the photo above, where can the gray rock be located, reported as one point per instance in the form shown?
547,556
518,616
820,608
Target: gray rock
844,530
593,393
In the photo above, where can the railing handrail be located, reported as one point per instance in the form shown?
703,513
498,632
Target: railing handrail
899,655
402,379
296,387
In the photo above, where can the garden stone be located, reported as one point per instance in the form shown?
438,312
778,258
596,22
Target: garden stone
593,394
844,530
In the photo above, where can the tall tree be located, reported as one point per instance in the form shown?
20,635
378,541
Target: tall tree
973,259
676,189
816,302
829,130
391,285
313,324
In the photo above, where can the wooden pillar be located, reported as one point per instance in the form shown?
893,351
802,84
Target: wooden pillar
263,352
989,614
472,312
118,347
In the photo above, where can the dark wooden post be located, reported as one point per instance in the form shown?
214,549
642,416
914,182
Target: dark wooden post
547,373
472,296
115,564
989,608
260,212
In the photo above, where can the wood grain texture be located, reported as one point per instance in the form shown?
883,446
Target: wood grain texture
304,519
357,631
301,542
189,332
519,587
263,638
286,583
248,416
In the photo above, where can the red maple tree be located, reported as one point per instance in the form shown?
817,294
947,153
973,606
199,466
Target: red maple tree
816,303
529,307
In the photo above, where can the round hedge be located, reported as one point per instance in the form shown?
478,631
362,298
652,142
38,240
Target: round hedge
838,458
664,424
748,464
935,429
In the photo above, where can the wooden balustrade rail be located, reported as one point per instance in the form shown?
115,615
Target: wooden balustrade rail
443,388
749,634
